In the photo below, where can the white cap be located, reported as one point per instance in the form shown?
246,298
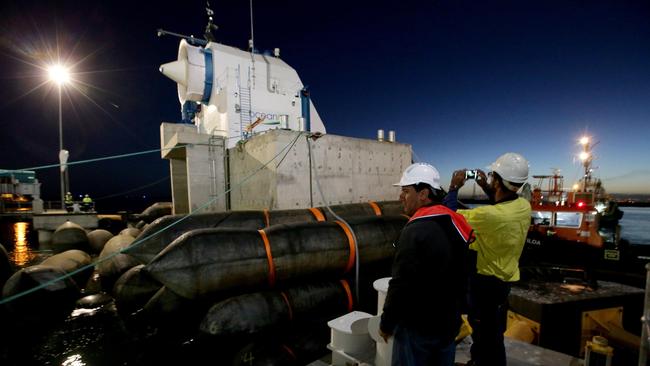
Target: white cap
512,167
420,173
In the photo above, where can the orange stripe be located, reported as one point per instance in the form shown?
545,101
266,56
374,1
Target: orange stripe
269,257
286,301
317,214
289,351
267,219
351,241
375,207
346,287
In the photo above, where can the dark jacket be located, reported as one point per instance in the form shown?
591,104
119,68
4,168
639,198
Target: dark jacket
427,289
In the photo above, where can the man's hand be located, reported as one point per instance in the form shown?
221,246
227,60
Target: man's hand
457,180
385,336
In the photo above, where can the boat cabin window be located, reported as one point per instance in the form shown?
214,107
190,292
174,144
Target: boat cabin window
568,219
540,217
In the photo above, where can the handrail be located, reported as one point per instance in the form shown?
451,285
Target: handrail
645,322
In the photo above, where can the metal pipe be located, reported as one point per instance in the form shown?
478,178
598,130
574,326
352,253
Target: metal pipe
61,171
380,135
306,108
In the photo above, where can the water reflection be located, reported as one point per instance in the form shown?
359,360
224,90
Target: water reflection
22,253
74,360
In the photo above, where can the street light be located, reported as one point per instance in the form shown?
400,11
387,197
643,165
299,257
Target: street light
60,75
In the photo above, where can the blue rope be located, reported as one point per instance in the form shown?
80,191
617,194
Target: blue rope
96,159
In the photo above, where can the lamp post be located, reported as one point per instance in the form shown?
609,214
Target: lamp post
60,75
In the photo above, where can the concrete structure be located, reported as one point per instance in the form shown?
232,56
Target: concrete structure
348,170
196,164
47,223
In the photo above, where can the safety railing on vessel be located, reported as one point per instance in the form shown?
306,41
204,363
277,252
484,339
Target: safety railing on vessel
645,322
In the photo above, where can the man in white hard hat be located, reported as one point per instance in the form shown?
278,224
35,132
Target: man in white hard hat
422,306
501,230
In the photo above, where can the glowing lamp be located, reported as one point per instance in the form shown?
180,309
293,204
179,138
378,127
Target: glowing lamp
581,204
584,156
58,74
584,140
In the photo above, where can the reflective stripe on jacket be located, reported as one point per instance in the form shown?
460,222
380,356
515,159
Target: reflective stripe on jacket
500,231
460,223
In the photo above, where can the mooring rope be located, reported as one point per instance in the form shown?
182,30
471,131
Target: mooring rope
97,159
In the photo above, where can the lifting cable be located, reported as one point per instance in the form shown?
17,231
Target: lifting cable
354,236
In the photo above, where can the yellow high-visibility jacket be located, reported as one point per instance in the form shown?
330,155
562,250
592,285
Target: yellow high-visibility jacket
501,231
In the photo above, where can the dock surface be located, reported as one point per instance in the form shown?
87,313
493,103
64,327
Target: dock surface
517,353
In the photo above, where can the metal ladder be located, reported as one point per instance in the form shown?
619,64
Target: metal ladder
216,147
245,102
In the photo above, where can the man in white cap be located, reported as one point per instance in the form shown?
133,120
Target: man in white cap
501,230
423,302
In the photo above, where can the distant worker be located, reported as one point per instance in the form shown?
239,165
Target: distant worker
501,230
423,303
87,203
68,201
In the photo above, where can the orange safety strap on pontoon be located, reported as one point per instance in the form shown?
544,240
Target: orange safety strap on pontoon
289,351
267,218
346,287
317,214
286,301
269,257
348,233
375,207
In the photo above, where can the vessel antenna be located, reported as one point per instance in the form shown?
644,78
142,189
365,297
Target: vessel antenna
252,41
210,26
207,33
251,44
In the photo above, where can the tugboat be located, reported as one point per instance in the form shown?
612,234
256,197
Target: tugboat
576,228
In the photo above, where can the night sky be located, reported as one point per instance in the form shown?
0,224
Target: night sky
462,81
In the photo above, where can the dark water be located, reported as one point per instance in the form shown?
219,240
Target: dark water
635,225
21,242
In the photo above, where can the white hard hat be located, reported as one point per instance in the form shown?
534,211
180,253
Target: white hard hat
420,173
512,167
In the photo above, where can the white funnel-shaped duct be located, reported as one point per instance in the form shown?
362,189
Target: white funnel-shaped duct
188,72
176,71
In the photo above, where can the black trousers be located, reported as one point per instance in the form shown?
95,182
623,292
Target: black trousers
487,314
